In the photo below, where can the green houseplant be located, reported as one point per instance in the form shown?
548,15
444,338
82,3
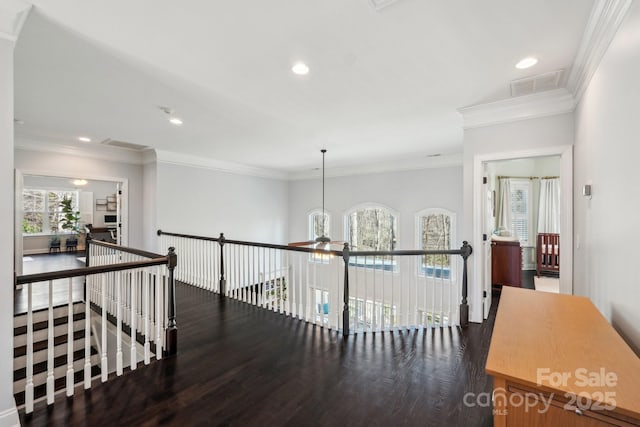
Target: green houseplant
70,221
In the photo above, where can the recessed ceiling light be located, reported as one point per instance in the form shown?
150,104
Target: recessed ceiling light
526,63
79,182
175,121
84,139
300,68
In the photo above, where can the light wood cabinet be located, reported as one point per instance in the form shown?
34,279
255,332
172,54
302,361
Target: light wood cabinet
556,361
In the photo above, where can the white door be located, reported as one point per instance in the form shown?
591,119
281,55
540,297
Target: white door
487,227
19,213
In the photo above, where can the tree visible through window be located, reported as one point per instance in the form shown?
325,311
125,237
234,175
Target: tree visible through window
42,210
372,229
435,232
316,226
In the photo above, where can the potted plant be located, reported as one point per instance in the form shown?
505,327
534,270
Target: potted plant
69,222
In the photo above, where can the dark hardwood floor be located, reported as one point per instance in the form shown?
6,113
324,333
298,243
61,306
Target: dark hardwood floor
40,295
239,365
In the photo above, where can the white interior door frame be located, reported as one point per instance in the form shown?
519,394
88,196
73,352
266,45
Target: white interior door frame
566,210
124,209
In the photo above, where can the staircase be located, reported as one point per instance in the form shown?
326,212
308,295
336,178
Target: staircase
40,350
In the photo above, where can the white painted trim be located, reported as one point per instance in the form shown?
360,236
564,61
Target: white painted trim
180,159
549,103
410,164
606,17
92,151
9,417
566,217
15,15
125,190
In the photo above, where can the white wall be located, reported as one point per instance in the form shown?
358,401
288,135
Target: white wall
405,192
149,206
513,137
58,164
207,202
8,414
606,155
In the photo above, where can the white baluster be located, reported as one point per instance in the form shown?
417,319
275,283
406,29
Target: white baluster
118,285
104,368
158,311
50,349
134,321
145,314
87,339
70,370
28,391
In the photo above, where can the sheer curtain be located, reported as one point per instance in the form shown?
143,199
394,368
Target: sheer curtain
503,204
549,207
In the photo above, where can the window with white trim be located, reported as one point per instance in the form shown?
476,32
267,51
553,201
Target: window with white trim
436,231
521,214
42,211
316,226
372,228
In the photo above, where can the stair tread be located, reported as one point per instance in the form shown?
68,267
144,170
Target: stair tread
20,374
43,345
59,384
21,330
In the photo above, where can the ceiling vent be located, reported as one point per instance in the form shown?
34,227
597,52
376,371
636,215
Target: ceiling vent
381,4
121,144
535,84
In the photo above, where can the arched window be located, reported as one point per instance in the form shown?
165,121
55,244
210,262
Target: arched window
436,231
372,228
316,226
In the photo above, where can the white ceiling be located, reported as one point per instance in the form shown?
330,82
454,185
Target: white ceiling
384,85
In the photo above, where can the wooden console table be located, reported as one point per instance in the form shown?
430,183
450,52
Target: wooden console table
556,361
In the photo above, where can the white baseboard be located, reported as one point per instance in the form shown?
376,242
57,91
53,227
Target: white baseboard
9,417
35,251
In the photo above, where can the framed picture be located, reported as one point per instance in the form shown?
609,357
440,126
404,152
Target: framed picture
111,206
101,204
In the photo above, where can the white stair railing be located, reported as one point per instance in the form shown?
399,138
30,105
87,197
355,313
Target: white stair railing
120,287
332,286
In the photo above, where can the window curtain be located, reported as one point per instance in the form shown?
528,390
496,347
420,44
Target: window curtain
549,206
503,204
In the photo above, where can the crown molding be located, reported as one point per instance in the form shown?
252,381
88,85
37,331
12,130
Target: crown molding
181,159
606,17
411,164
549,103
13,14
92,151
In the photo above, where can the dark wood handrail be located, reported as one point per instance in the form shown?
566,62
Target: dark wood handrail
87,271
126,249
339,253
465,251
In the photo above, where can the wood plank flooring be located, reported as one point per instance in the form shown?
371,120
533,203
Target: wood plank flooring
239,365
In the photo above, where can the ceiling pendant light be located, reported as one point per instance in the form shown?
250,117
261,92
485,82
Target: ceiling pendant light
322,238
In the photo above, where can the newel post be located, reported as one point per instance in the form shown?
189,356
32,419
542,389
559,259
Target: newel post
223,281
172,327
464,306
345,307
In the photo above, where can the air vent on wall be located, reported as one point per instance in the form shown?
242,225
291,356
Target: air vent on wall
381,4
535,84
123,144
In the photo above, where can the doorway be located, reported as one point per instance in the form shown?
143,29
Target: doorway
97,201
485,206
